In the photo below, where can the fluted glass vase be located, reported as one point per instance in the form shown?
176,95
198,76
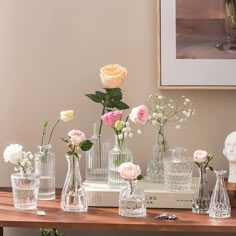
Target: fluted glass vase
45,168
73,197
155,167
201,197
118,155
132,201
220,205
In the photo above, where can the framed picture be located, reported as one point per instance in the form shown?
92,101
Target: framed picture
194,50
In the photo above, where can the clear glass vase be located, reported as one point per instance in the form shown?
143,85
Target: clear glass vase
45,168
118,155
25,191
73,197
132,201
97,159
155,167
201,197
178,169
220,205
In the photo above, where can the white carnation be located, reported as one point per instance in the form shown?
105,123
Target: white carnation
13,153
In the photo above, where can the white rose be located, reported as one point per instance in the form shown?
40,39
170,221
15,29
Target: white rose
67,115
13,153
200,156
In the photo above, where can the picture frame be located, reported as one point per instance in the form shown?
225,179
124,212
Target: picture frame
174,73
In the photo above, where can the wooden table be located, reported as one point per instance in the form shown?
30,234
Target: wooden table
106,219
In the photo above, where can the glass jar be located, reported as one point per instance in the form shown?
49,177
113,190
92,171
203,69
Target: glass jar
132,201
118,155
220,205
25,191
201,197
97,159
178,170
73,197
45,168
155,167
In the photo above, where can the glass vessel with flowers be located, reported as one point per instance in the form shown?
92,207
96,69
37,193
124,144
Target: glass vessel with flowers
201,197
74,197
45,160
25,184
112,77
120,153
162,111
132,201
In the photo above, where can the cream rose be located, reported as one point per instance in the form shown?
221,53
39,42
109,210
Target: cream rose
129,171
76,136
113,75
200,156
67,115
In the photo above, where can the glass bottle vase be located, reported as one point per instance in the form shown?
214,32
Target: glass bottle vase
132,201
73,197
201,197
155,167
45,167
220,204
118,155
97,159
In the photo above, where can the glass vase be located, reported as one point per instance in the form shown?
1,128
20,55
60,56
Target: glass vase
178,169
155,167
97,159
25,191
118,155
73,197
201,197
132,201
220,205
45,168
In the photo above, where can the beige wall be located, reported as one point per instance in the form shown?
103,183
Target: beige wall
50,55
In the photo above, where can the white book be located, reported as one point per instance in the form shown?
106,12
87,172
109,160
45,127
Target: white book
101,195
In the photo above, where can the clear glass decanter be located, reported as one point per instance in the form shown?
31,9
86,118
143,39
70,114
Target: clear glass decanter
220,205
132,201
73,197
178,170
201,197
118,155
45,167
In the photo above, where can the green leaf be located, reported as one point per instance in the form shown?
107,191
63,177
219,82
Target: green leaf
101,95
69,153
116,95
85,145
109,104
211,168
140,177
120,105
94,98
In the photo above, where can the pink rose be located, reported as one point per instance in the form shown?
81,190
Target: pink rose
200,156
129,171
76,136
110,118
139,114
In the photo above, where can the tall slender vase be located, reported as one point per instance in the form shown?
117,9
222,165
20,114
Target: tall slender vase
155,167
220,205
118,155
73,197
45,168
201,197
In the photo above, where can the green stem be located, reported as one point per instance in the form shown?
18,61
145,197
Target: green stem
101,122
53,130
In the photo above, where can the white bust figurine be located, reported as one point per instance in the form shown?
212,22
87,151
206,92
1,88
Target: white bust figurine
230,153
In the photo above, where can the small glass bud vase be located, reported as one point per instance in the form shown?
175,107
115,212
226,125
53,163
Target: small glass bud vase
132,201
45,168
118,155
201,197
25,191
73,197
220,205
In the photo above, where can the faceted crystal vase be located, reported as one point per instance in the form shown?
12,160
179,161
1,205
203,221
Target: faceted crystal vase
220,205
178,170
132,201
45,168
25,191
73,197
118,155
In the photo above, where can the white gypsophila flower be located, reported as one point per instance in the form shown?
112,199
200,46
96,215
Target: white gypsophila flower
125,134
181,120
159,115
172,107
154,115
131,135
22,163
16,169
151,95
185,103
154,122
187,100
157,106
28,172
177,126
139,131
28,163
188,114
149,117
162,107
127,123
184,112
120,136
13,153
160,97
31,156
